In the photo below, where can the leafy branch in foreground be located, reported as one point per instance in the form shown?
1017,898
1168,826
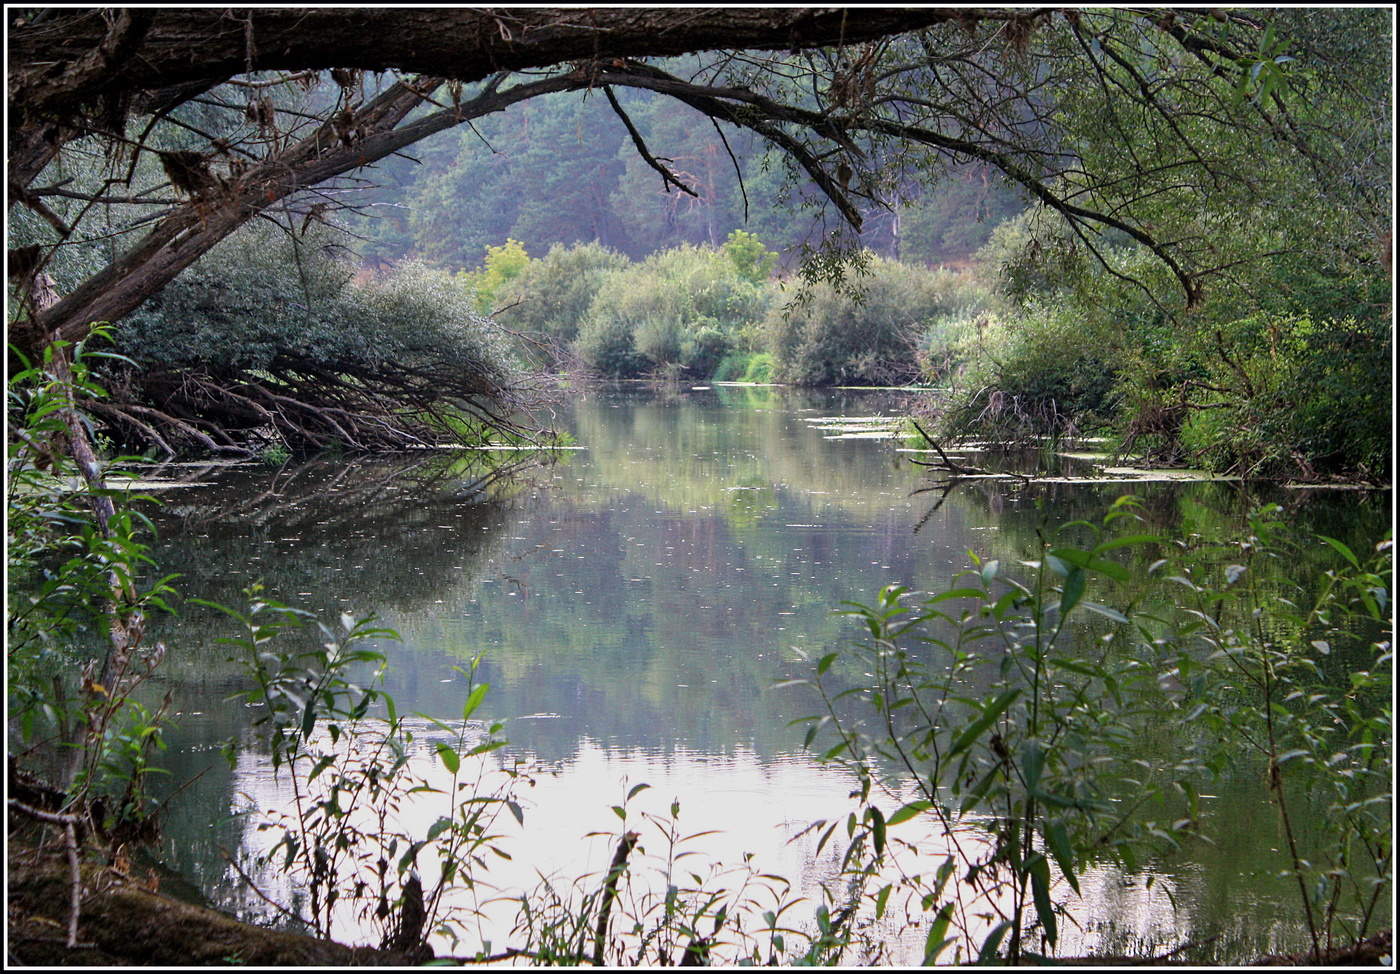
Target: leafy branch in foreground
347,836
1017,721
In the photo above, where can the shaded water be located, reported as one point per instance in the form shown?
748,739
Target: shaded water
634,602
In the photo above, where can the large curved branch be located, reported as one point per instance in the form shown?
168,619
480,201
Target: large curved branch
62,65
190,230
764,112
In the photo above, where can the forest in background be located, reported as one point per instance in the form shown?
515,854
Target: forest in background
561,170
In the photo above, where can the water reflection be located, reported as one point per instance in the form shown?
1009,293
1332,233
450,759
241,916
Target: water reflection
633,603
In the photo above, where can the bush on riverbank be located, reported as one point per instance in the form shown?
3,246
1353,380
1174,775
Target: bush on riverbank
551,295
273,339
681,310
1282,373
871,336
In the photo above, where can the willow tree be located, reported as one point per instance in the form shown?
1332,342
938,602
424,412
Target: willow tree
1154,128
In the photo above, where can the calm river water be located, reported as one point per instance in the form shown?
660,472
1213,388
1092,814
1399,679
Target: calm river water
633,604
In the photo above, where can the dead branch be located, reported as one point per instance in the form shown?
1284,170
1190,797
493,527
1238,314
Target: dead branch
70,825
668,178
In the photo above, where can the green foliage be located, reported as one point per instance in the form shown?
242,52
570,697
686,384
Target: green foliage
502,265
346,839
953,218
1042,770
606,345
75,628
261,295
587,184
1043,758
755,367
270,338
1045,371
660,905
551,295
682,309
751,259
868,336
1323,727
1276,394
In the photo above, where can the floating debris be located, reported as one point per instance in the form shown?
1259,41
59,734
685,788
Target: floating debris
846,420
138,484
1147,473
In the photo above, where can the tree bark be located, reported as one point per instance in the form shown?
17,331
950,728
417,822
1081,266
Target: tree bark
62,64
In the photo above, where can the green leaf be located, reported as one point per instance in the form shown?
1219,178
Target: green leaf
1058,840
1123,542
1104,611
637,790
937,935
1073,590
881,898
474,700
908,811
1087,561
1032,763
974,730
988,953
449,757
877,827
1040,892
1343,549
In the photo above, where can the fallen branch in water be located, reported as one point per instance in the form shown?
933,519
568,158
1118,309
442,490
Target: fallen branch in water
947,463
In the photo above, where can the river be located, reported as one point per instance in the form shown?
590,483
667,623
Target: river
633,604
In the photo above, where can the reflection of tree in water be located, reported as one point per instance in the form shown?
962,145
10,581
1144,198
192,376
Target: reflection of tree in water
341,535
301,530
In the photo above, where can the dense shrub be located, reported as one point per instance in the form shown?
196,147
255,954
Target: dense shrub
683,309
1045,371
750,258
870,337
502,265
745,367
259,297
1282,395
550,296
270,337
605,345
1281,370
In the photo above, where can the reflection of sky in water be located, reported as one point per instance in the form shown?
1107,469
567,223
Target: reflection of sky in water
749,810
634,605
